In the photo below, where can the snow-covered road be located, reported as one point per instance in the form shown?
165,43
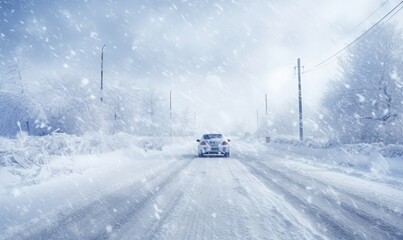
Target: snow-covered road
258,193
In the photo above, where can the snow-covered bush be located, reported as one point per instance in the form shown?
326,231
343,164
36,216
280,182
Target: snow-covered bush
308,142
27,151
386,150
20,113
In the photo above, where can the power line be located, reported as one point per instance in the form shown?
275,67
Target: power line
376,10
359,24
394,14
358,38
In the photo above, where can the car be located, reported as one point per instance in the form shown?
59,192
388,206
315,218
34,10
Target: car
213,144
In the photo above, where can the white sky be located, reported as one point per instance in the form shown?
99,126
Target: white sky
218,57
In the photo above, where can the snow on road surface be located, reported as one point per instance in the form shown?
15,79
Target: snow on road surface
258,193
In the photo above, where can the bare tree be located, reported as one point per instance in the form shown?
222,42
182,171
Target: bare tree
365,104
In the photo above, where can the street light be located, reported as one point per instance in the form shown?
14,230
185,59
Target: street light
102,71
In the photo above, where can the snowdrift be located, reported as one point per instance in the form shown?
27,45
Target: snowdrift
378,159
35,159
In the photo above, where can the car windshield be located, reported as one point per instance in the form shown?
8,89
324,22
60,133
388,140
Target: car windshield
210,136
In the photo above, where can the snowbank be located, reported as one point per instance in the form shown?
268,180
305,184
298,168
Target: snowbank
26,151
386,150
378,159
33,159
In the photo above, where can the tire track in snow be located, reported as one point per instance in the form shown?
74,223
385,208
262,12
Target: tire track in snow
136,210
193,231
364,217
155,228
342,224
185,215
353,195
243,191
315,214
174,195
275,218
205,212
95,220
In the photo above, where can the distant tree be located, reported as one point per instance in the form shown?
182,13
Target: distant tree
184,123
153,119
15,69
365,104
73,108
19,113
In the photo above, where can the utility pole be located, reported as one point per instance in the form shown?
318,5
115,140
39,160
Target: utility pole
266,123
170,113
102,72
301,125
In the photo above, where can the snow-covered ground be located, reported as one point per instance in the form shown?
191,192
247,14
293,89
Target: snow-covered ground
279,190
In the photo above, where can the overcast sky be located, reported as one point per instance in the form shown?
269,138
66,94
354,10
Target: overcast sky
218,57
